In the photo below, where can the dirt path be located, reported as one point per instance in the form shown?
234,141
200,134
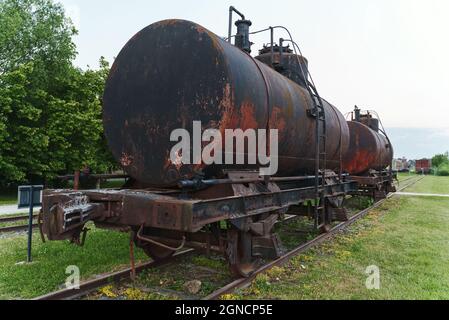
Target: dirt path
414,194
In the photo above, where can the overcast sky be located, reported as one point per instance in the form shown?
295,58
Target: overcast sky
388,55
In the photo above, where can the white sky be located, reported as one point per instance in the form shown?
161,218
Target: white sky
387,55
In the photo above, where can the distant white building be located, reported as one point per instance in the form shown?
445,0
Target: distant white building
401,165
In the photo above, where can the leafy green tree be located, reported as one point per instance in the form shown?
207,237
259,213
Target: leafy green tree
38,31
24,135
50,111
74,127
440,159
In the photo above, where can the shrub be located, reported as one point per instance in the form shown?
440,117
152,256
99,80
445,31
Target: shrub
443,170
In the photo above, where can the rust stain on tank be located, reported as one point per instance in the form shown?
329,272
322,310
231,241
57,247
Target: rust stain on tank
126,160
303,95
178,161
277,120
361,160
289,101
227,110
167,22
200,29
248,118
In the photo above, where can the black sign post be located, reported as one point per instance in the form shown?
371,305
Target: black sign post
30,196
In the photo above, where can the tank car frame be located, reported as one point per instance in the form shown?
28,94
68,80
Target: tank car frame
234,217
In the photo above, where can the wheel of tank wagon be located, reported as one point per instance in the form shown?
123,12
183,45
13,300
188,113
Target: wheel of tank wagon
239,253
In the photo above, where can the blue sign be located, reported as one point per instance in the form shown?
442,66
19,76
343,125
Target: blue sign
25,196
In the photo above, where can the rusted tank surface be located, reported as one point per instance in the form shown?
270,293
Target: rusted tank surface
286,62
175,72
368,150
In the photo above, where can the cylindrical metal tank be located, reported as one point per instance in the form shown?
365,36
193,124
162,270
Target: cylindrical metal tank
286,63
368,150
175,72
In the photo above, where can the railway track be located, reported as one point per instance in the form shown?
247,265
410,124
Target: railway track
92,285
16,218
242,282
405,180
16,228
125,275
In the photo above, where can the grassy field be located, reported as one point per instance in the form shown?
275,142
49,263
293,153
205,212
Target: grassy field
432,184
407,239
104,251
404,176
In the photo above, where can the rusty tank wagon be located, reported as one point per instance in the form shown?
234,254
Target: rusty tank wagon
369,155
174,73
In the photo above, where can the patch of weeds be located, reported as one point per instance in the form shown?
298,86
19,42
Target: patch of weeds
276,273
230,297
261,283
135,294
212,263
108,291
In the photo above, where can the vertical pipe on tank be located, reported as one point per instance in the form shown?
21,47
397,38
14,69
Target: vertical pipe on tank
230,25
242,38
281,47
357,114
231,11
272,45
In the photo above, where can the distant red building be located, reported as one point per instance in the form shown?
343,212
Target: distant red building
423,166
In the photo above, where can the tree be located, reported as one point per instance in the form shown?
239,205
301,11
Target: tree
50,111
38,31
74,126
24,136
440,159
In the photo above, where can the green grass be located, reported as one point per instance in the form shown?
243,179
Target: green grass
113,184
405,175
431,184
104,251
407,238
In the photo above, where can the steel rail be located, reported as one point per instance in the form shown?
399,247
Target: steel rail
405,180
90,286
16,218
15,228
242,282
